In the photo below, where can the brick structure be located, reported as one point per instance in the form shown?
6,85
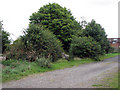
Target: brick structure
115,42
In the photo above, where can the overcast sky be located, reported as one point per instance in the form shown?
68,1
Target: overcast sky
15,13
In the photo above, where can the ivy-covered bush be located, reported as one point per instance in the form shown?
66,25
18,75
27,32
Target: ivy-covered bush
85,47
42,42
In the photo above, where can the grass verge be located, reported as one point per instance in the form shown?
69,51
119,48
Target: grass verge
17,69
110,55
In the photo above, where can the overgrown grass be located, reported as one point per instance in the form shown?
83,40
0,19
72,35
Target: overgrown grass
16,69
113,82
113,79
110,81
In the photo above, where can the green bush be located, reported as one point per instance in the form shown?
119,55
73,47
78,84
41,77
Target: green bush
111,50
43,62
97,32
85,47
42,42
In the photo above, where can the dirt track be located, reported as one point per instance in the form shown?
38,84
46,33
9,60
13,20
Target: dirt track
82,76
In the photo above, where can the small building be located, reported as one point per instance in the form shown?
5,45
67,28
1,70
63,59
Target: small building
115,42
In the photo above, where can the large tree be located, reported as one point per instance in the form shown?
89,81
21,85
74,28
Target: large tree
57,19
98,33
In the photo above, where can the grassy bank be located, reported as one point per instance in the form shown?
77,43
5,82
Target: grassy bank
14,69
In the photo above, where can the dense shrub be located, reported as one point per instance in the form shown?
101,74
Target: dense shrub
43,62
85,47
42,43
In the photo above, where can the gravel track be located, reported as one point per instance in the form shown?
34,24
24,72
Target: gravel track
82,76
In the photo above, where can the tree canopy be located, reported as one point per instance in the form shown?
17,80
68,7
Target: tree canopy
57,19
53,28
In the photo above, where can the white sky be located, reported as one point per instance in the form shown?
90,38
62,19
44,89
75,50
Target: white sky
15,13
